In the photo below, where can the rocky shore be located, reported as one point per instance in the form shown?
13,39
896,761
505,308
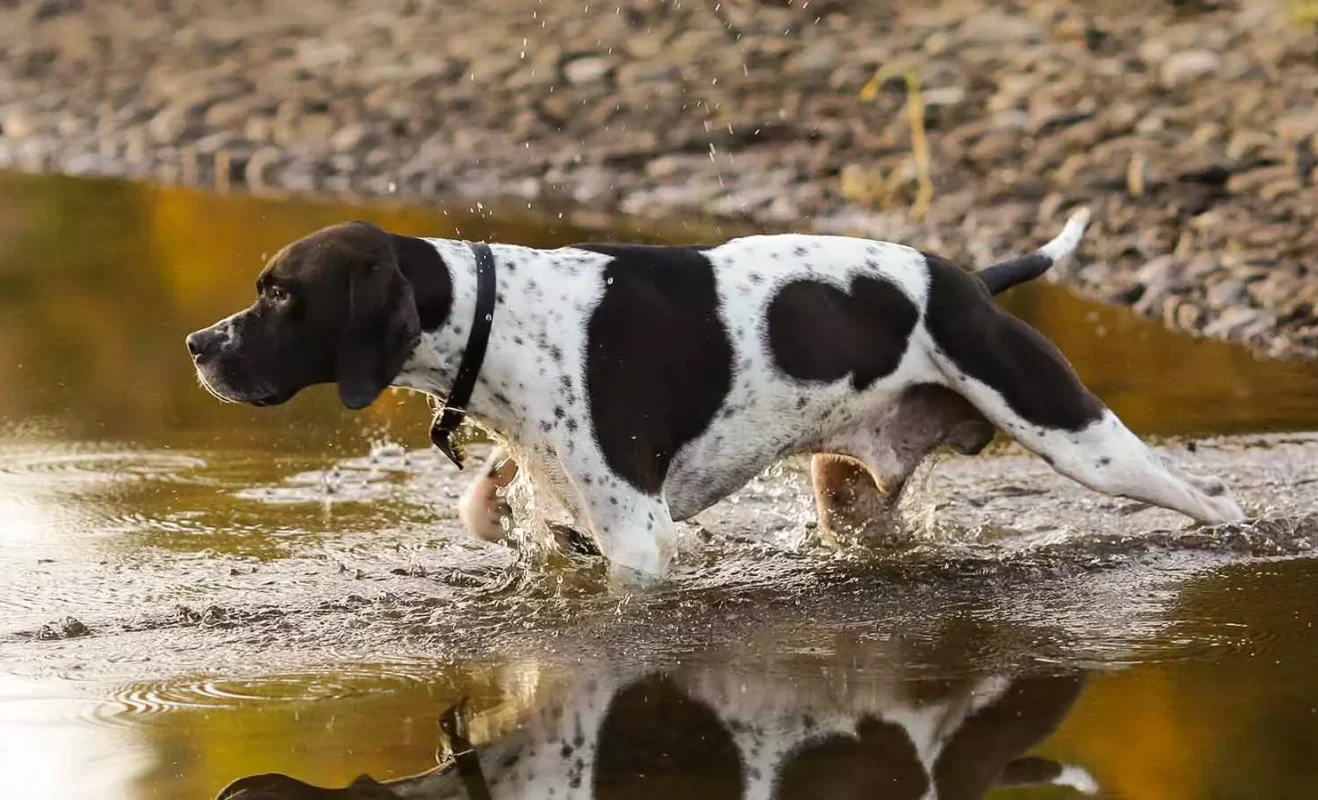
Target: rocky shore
1191,128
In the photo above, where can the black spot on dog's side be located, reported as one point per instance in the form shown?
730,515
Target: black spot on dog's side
658,358
817,332
432,285
657,743
879,761
994,347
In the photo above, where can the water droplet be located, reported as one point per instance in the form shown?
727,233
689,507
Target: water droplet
489,317
609,281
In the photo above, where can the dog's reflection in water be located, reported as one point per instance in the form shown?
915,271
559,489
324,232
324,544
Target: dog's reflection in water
722,735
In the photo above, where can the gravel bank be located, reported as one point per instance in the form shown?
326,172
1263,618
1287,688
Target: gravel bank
1192,133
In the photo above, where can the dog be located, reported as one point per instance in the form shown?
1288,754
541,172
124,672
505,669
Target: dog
717,733
636,385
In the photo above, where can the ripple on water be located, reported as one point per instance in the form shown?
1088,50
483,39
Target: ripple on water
129,702
387,471
67,466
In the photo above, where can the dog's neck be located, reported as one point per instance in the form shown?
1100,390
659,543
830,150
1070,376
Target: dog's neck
434,363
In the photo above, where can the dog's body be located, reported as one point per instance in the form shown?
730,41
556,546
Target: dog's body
638,385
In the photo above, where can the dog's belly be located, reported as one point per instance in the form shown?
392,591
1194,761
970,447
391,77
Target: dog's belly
693,489
739,446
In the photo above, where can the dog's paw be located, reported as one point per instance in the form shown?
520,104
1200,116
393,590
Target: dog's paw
573,541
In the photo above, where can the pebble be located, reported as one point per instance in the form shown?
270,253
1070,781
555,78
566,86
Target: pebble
1188,65
580,71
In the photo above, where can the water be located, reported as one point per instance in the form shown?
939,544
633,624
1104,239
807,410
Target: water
193,592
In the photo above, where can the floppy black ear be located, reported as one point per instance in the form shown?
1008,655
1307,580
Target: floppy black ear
382,330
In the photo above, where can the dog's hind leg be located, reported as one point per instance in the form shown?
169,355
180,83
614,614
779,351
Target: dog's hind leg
857,486
1023,384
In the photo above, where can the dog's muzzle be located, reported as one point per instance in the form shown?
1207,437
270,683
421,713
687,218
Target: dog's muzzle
205,344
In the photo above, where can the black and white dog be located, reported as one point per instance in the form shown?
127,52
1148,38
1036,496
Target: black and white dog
712,733
635,386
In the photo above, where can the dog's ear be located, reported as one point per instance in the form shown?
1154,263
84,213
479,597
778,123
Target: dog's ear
382,329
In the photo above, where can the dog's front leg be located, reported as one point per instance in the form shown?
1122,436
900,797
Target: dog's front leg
634,530
481,508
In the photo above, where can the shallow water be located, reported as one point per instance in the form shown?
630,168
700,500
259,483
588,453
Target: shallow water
193,592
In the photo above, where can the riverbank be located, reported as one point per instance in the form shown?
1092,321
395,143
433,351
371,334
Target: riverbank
1192,135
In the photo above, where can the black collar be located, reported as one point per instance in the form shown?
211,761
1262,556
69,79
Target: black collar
465,759
454,409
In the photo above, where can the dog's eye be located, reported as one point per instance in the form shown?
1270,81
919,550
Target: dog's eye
276,294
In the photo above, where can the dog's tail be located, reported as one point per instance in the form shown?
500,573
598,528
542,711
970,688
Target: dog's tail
1006,274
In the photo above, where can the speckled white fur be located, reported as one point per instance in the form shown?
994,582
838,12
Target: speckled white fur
535,363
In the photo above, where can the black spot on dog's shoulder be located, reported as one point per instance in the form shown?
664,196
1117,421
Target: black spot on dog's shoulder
994,347
656,742
755,278
1104,461
425,270
817,332
559,413
658,358
571,426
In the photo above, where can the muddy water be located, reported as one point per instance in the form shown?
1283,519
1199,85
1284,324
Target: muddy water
191,592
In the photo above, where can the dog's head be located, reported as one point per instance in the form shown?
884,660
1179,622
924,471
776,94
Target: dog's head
333,306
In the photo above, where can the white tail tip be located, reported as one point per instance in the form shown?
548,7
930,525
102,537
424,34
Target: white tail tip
1069,239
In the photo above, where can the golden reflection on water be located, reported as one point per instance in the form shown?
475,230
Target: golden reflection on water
1240,720
99,282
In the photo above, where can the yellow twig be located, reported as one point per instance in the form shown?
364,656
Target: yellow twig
915,118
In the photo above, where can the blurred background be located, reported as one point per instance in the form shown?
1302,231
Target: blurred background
965,126
191,592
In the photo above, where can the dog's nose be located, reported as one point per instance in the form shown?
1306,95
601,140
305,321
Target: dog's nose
203,344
